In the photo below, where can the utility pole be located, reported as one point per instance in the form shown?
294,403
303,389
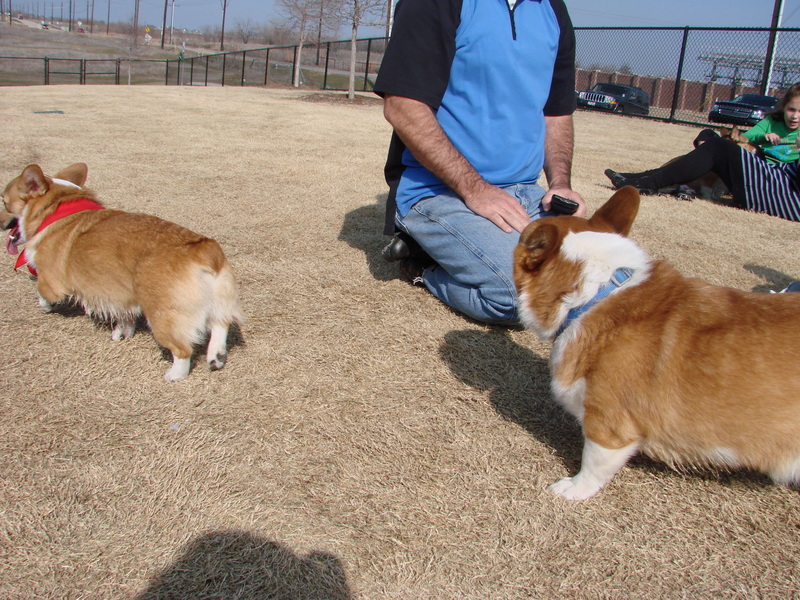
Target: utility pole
136,23
164,24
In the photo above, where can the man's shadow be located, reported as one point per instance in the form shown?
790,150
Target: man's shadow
238,564
363,229
518,382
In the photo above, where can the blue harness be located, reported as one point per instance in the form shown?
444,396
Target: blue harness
619,278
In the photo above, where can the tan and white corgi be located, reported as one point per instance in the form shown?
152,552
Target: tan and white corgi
119,265
651,361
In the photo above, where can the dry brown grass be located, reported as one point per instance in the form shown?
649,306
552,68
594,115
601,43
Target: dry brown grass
363,440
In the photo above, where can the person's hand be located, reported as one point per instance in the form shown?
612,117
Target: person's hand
566,193
500,207
773,138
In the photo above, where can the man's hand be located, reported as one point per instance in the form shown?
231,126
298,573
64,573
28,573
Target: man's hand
500,207
566,193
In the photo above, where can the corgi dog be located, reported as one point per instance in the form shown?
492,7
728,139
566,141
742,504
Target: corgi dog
651,361
120,265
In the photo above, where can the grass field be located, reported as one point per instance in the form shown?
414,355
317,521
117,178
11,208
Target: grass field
363,441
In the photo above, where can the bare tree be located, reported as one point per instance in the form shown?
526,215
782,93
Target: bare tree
246,29
357,13
300,16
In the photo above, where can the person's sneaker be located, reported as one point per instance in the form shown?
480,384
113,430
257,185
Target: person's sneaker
412,271
792,287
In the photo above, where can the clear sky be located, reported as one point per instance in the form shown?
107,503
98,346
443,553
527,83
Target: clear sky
195,14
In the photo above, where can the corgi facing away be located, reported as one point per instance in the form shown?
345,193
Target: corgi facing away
649,360
120,265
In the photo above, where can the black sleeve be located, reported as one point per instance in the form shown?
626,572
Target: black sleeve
420,52
561,100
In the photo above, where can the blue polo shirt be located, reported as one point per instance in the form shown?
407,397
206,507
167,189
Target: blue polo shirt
491,73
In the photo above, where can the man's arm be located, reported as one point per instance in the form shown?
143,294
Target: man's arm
417,126
559,142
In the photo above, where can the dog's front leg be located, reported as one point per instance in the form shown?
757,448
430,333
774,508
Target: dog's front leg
598,466
47,296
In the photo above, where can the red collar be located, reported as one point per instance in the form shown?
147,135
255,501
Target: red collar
64,209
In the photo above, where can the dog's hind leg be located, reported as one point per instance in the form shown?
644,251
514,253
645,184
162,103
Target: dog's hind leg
175,335
223,310
217,352
598,466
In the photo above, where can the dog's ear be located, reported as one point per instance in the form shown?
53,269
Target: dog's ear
32,183
538,242
76,173
618,213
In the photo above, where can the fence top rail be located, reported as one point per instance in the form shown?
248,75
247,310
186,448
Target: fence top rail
154,60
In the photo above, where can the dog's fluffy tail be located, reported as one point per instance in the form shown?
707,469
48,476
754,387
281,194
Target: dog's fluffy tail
222,305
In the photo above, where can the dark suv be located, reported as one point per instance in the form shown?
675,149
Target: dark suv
745,109
616,97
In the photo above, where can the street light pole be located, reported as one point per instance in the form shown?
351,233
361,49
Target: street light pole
769,61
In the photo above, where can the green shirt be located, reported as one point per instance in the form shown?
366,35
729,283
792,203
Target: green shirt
786,151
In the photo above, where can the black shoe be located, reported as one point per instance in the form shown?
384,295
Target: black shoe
618,180
398,248
412,271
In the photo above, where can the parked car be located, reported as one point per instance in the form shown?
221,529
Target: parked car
744,109
616,97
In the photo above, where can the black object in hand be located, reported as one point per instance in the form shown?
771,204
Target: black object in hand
563,206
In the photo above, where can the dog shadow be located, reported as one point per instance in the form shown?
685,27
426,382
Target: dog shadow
518,382
238,564
775,280
362,229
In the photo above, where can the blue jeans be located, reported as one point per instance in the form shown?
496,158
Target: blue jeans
474,270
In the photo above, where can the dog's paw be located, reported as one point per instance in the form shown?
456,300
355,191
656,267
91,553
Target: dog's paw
45,305
217,362
571,489
179,370
122,331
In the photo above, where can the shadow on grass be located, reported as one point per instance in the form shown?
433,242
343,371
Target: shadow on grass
363,229
774,280
518,382
238,564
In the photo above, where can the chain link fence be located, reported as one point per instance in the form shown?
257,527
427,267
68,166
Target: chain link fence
683,70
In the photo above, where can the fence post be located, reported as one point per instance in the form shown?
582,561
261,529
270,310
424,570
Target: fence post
366,67
244,62
82,76
116,71
327,56
679,75
266,69
46,71
206,79
224,56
